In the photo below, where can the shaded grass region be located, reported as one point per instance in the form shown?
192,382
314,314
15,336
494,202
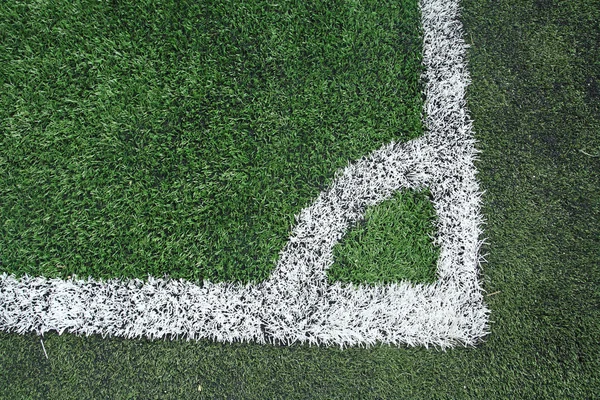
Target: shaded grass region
180,138
535,103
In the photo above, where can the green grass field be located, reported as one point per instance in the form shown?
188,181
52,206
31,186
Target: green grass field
535,101
181,139
393,243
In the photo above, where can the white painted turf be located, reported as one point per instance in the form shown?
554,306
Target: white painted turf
296,304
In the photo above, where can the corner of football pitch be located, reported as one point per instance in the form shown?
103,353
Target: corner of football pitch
297,303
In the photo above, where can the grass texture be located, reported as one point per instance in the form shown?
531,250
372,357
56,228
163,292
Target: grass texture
535,101
393,243
181,138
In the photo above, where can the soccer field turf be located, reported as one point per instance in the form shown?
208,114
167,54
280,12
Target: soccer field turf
198,193
181,138
535,104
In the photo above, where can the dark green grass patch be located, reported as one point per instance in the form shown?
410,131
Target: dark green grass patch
394,242
180,138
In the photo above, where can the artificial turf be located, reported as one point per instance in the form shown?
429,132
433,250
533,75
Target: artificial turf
394,242
535,101
181,138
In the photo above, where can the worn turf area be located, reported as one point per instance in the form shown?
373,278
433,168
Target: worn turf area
181,138
535,100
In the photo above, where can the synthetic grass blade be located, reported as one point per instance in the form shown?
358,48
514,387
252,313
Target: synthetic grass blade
297,304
